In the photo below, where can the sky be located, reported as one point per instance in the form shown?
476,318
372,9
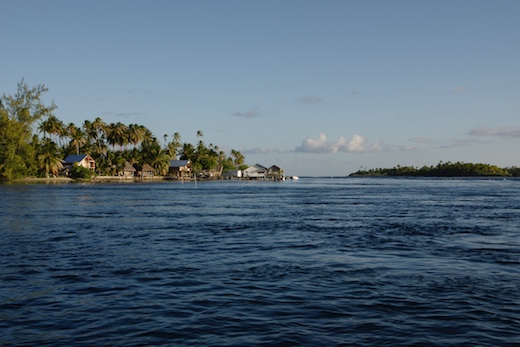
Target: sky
319,88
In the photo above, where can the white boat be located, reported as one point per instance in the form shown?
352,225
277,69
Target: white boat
295,178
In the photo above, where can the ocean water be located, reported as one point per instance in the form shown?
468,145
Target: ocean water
314,262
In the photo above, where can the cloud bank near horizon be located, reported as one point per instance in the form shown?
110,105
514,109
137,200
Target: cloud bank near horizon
498,132
260,150
356,144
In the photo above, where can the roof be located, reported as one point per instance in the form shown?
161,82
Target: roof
75,158
256,167
179,163
129,167
147,167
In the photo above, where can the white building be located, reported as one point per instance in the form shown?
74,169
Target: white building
255,172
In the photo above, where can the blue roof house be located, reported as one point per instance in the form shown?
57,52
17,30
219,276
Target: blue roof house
84,160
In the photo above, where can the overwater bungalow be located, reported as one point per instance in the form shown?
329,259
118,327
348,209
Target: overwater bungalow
275,173
255,172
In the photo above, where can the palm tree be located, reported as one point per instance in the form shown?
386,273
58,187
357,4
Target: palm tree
44,128
135,134
52,126
117,135
100,127
110,163
199,134
154,155
147,135
77,136
90,131
161,162
174,145
221,158
238,158
187,152
49,158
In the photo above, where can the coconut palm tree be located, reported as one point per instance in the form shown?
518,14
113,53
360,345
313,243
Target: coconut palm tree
147,135
174,145
77,136
49,158
238,158
52,126
135,134
89,131
44,128
161,162
187,152
117,134
100,128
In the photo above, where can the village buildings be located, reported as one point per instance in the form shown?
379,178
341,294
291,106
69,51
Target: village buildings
256,172
179,169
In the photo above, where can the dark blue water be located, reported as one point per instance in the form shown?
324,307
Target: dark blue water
316,262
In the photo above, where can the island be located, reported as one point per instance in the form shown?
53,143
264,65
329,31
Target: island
35,144
442,169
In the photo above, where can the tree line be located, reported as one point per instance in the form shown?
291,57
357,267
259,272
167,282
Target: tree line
448,169
34,142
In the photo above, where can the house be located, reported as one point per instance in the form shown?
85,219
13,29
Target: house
255,172
179,168
231,174
129,170
139,170
275,173
84,160
147,171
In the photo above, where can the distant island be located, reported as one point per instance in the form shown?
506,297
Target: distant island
448,169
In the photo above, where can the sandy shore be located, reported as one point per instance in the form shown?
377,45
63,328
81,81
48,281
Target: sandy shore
44,180
97,179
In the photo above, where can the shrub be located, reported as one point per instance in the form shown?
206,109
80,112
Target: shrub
80,172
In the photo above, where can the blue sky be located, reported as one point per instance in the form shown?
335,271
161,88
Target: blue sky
316,87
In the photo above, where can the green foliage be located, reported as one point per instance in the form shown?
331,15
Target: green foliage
23,153
514,171
49,158
205,159
18,114
80,172
448,169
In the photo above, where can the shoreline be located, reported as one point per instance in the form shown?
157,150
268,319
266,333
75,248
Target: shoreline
100,179
97,179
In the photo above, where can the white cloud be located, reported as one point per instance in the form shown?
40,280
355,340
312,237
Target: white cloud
260,150
499,132
248,114
321,145
421,140
461,143
310,100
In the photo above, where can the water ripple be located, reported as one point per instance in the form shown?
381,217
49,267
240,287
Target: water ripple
335,262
